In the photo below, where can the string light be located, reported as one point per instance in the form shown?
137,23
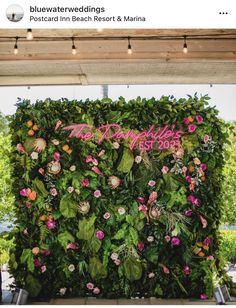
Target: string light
185,47
15,51
73,50
99,30
129,51
29,35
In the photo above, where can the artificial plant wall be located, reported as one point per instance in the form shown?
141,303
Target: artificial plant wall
117,199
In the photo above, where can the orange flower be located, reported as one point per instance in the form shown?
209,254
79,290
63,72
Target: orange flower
203,178
201,254
205,247
69,151
191,168
190,119
65,147
32,195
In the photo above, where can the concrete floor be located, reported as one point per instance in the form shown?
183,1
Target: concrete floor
7,296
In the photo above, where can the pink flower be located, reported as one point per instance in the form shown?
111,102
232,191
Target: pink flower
36,251
203,296
96,290
186,121
184,170
210,258
188,179
100,234
143,208
58,124
90,286
97,194
97,170
91,159
151,183
53,192
187,270
20,148
24,192
206,138
203,166
85,182
72,246
207,241
164,169
107,215
41,171
152,197
175,241
141,246
140,199
167,238
37,263
199,118
194,200
188,213
192,128
70,189
56,156
203,222
50,224
165,269
117,262
46,252
43,268
28,205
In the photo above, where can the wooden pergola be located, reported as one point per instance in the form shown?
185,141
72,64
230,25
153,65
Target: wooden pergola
102,57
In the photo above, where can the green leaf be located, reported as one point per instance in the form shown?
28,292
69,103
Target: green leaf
68,207
132,269
151,254
33,286
94,245
86,228
170,183
96,269
39,187
121,233
126,162
134,236
28,258
64,238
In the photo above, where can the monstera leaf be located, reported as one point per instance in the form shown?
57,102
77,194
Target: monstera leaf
68,207
64,238
132,268
126,162
40,188
86,228
27,257
96,269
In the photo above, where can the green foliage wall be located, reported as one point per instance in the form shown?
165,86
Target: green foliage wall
102,220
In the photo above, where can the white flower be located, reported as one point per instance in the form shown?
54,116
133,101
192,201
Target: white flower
151,275
96,290
43,268
114,256
72,168
55,141
138,159
150,238
34,155
70,189
116,145
62,291
117,262
121,210
71,267
197,161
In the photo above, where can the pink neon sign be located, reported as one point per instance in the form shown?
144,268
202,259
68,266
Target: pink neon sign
164,137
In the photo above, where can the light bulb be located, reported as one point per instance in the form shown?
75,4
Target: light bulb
29,35
129,51
185,48
15,51
73,50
